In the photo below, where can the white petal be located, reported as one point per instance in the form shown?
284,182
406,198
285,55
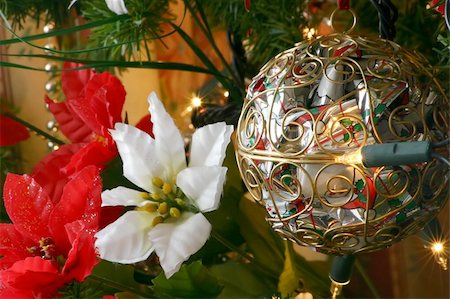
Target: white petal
126,240
117,6
139,156
175,242
168,139
203,185
121,196
209,144
71,3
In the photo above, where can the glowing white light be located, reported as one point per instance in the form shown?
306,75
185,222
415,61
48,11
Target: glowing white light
437,247
196,102
354,157
226,94
309,33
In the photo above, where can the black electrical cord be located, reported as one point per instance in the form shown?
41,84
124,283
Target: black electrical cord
440,158
436,155
441,143
387,14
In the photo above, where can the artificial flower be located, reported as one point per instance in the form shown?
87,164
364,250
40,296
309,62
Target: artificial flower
11,131
93,105
48,244
167,217
48,171
50,175
438,8
117,6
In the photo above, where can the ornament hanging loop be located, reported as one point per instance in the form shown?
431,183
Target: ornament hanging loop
334,22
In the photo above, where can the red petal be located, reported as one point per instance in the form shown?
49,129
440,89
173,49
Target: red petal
32,273
110,214
102,104
12,245
146,125
247,5
94,153
28,206
9,292
81,200
73,82
11,132
35,275
82,256
48,172
69,122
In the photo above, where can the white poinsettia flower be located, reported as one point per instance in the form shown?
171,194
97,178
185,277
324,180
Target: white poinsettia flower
117,6
167,217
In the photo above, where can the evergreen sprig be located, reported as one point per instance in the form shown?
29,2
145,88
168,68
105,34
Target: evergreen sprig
144,24
40,10
267,29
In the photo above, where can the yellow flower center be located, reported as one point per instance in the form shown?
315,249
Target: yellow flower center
168,201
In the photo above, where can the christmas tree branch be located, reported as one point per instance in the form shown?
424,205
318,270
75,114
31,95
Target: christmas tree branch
203,24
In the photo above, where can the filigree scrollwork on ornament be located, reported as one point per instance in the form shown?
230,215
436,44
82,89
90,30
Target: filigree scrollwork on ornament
291,190
322,99
383,68
405,123
435,184
307,70
253,178
254,129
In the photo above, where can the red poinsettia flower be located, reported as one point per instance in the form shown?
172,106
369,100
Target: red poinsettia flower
439,8
49,174
11,132
48,244
93,104
145,124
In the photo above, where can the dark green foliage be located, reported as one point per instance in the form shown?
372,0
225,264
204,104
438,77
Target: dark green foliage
39,10
267,29
192,281
144,24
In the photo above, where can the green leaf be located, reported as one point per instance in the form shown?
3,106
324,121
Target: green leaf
240,281
265,245
288,282
112,175
192,281
311,276
87,63
120,278
65,31
268,249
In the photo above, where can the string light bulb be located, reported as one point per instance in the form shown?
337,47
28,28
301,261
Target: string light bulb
437,247
309,33
354,157
196,102
438,250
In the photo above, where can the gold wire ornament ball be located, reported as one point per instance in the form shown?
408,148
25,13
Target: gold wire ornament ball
313,105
